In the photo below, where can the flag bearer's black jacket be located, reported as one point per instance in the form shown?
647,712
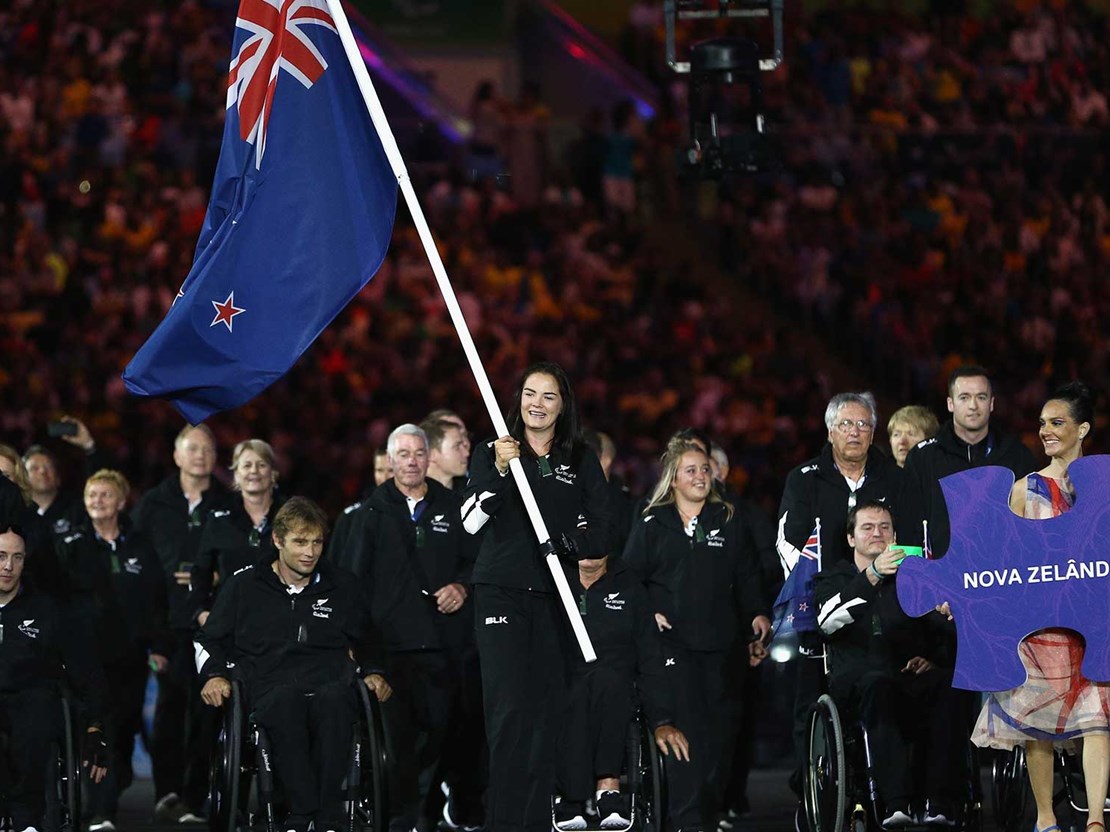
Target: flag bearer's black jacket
706,585
621,623
42,646
228,542
271,637
163,516
932,460
573,497
120,590
866,628
411,559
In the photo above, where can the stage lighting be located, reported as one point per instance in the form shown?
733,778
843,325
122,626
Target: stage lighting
725,92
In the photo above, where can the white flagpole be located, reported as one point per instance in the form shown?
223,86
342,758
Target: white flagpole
389,144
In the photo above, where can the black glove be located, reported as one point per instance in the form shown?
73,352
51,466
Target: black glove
96,750
565,548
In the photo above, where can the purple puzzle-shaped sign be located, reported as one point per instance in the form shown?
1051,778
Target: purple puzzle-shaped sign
1006,577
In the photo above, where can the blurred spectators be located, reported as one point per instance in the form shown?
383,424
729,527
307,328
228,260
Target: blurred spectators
911,212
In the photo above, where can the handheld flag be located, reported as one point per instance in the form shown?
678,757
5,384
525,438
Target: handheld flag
794,608
299,220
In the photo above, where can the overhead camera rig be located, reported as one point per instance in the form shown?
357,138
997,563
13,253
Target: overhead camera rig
725,90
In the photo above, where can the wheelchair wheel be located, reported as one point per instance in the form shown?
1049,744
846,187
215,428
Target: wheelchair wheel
646,778
63,778
1010,789
973,811
825,774
224,779
371,809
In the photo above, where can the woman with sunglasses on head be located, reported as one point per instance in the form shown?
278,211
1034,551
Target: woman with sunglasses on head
235,535
521,627
1056,705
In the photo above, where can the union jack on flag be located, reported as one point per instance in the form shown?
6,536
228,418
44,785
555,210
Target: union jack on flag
794,610
299,219
277,41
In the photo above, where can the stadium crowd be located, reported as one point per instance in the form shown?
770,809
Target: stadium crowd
913,228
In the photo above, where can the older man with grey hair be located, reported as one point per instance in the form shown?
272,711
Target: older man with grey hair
817,497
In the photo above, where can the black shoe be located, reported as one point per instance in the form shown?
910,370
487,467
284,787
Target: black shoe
613,811
570,815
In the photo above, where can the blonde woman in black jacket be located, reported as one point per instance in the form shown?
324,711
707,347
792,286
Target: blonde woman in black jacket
688,547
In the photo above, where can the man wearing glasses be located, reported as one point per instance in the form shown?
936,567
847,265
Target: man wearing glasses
816,499
171,515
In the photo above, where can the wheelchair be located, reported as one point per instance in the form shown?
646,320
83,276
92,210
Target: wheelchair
840,792
243,757
1012,798
63,778
644,779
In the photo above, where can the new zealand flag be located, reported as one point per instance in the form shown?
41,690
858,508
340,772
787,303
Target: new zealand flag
299,220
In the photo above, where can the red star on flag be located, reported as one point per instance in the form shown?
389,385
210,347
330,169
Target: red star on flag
226,312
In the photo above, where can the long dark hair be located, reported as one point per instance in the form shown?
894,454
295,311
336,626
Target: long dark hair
566,426
1079,399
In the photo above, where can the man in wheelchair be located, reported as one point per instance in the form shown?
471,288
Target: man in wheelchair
593,742
40,651
893,674
288,628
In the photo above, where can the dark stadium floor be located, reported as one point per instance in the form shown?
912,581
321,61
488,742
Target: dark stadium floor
772,807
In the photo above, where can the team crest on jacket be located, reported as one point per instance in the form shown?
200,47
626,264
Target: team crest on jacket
441,524
133,567
613,601
564,475
715,539
28,630
320,609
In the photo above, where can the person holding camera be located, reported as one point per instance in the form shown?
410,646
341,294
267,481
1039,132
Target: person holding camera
521,629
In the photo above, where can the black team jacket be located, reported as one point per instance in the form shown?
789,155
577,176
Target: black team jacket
163,516
572,495
228,542
621,622
120,590
405,560
274,637
42,646
867,630
929,461
817,489
708,586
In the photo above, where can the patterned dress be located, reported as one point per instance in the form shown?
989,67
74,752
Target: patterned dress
1057,702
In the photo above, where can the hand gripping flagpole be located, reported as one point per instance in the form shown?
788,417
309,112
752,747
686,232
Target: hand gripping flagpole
393,153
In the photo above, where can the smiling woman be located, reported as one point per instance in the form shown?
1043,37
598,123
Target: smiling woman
520,631
1056,705
239,533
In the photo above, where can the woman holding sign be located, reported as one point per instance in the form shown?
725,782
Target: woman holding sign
1056,705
